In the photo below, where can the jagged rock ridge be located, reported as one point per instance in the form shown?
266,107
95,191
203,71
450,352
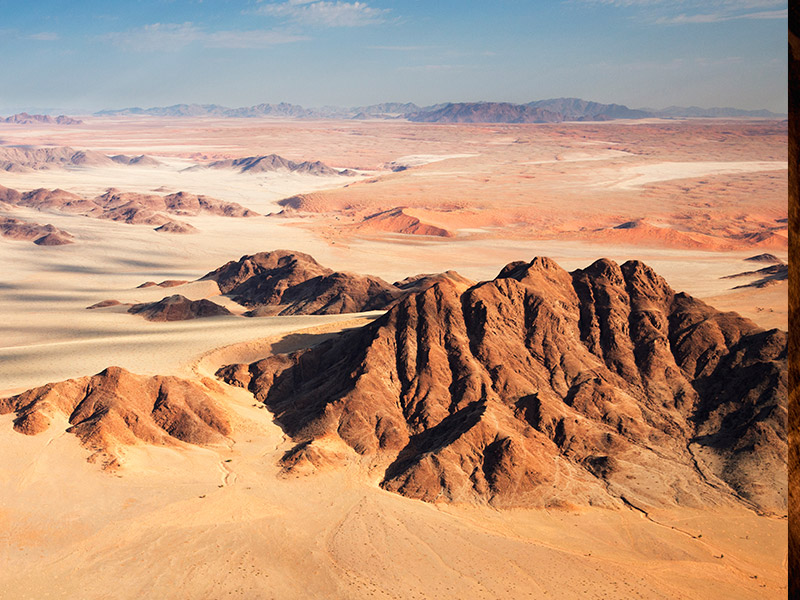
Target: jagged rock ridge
543,387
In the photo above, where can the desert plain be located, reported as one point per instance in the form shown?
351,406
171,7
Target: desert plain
692,199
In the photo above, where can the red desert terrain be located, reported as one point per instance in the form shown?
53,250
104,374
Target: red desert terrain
565,427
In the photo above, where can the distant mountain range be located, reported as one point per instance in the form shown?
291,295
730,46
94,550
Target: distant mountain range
24,118
541,111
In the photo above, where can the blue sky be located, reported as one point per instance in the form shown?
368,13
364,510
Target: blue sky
97,54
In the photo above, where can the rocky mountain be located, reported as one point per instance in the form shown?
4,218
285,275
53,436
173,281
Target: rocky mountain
542,111
116,408
178,308
176,110
26,119
41,235
282,109
285,282
26,158
128,207
487,112
575,109
288,283
272,163
545,388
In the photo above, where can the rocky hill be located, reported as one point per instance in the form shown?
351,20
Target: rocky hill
545,388
128,207
178,308
116,408
271,163
41,235
27,158
287,283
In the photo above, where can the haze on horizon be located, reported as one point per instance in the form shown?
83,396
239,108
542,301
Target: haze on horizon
643,53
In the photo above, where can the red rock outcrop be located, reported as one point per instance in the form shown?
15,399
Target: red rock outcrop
116,408
542,387
178,308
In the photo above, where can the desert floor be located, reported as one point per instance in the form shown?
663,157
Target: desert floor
178,523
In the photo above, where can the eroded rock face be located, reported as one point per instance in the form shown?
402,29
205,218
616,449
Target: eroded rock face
116,408
544,387
177,308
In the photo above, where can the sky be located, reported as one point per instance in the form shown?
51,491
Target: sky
99,54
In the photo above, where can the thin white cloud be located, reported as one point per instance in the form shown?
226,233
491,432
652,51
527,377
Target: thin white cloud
719,17
44,36
325,13
159,37
687,12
